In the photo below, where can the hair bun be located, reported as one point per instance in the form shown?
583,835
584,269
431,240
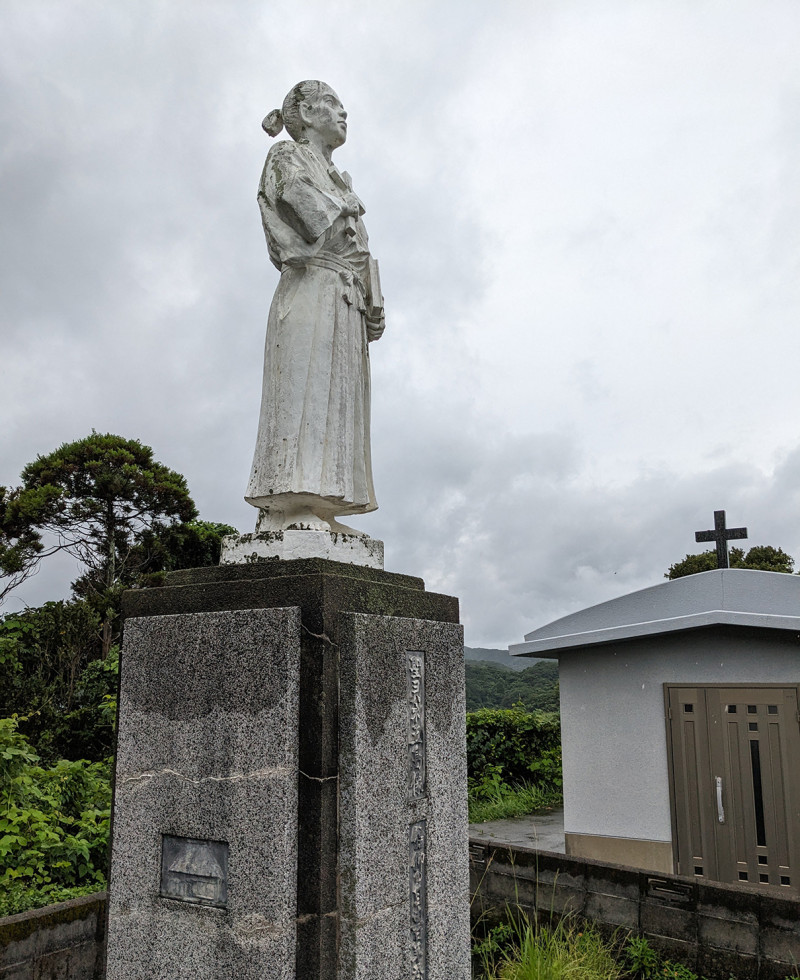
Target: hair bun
273,122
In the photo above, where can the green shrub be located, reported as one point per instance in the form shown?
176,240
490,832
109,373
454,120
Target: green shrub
54,825
521,746
18,897
513,762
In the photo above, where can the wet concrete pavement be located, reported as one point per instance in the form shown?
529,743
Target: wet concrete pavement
544,831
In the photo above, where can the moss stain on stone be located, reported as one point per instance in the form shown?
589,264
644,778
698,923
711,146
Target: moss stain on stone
18,928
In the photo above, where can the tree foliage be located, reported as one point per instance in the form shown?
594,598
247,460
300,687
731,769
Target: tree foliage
102,493
96,499
21,547
52,678
164,549
761,558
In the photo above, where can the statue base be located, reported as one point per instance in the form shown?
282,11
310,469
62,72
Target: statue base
291,782
352,549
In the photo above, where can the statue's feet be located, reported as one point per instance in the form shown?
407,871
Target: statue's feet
304,513
305,521
338,528
298,519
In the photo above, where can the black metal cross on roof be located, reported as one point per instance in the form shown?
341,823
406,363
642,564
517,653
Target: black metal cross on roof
722,535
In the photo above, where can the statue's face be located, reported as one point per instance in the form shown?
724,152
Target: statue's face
327,117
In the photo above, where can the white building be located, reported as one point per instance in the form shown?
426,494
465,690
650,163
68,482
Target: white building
680,726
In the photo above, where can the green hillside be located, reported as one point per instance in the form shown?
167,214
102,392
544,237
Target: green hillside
498,657
491,685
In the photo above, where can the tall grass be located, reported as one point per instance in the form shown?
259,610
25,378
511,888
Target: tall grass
556,951
518,949
490,797
508,803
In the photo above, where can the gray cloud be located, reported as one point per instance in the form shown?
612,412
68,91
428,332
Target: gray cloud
588,222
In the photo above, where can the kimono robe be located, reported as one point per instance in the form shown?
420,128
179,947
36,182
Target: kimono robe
313,432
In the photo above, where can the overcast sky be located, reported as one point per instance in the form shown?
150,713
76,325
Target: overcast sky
587,215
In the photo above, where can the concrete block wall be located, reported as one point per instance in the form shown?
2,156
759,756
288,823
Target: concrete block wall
717,930
60,942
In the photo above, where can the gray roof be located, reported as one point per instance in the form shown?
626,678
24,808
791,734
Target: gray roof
731,596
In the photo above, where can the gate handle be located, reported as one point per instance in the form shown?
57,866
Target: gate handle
720,810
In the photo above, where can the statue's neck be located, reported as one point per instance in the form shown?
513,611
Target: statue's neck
321,148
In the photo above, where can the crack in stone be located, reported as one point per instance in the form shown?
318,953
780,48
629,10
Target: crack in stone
380,912
317,779
321,636
252,929
236,777
305,917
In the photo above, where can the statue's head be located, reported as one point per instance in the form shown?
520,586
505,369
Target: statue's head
310,105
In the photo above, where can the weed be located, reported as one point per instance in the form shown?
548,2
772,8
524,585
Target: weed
492,946
641,959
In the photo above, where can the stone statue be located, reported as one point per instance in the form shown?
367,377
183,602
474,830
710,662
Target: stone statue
312,460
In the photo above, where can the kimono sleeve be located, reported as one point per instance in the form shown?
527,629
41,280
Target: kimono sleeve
299,201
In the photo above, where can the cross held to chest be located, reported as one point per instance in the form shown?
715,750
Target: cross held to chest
721,535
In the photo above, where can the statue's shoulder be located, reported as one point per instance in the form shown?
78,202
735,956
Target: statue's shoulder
285,161
280,166
289,152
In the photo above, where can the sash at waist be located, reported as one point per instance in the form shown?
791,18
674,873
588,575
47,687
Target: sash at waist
345,270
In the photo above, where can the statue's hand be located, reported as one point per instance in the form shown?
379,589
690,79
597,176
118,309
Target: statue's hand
375,328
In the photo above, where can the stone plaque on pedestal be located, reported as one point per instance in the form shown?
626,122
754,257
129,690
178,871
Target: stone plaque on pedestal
194,870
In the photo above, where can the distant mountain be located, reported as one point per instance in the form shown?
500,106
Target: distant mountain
502,657
495,686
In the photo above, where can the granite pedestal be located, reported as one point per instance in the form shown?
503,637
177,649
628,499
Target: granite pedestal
291,780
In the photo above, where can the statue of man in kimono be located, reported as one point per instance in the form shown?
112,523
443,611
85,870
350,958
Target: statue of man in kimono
312,462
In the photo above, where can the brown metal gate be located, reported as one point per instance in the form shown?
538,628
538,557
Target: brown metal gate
735,782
